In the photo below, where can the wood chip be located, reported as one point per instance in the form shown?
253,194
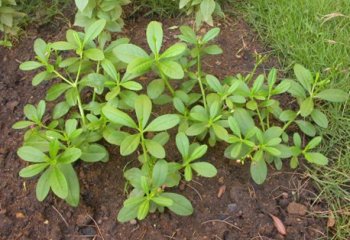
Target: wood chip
331,220
222,190
278,224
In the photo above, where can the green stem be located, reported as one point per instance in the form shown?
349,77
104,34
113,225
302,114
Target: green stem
290,122
260,119
63,78
80,106
199,77
166,81
145,154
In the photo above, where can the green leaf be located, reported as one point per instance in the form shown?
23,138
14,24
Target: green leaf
317,158
140,66
92,31
56,90
143,210
81,4
43,185
188,173
163,123
306,127
333,95
273,151
207,8
118,117
313,143
40,48
58,183
182,144
22,124
113,136
143,109
220,132
163,201
129,144
155,149
62,46
214,83
30,65
33,170
172,69
211,34
181,206
258,170
196,129
128,52
73,185
160,173
155,88
174,51
183,3
31,154
60,110
127,213
304,76
38,78
287,115
132,85
94,54
154,36
319,118
297,139
93,153
109,68
198,152
234,126
70,155
244,120
213,50
204,169
306,107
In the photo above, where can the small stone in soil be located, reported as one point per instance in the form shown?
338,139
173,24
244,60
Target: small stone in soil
133,222
232,207
88,230
296,208
83,219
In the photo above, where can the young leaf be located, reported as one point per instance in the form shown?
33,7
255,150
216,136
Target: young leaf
155,149
182,144
204,169
70,155
43,185
306,107
198,152
207,8
118,117
30,65
58,183
155,88
127,213
93,153
163,123
319,118
160,173
172,69
31,154
128,52
73,184
174,51
333,95
143,210
163,201
92,31
314,143
306,127
32,170
155,36
143,109
211,34
304,76
258,170
129,144
317,158
22,124
181,206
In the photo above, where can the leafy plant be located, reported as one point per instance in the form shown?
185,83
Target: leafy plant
97,99
91,10
203,10
8,20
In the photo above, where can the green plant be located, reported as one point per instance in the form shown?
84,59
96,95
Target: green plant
91,10
8,20
98,94
203,10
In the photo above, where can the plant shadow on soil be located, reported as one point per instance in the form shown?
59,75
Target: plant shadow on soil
241,213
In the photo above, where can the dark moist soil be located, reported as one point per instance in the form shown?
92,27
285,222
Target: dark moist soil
242,212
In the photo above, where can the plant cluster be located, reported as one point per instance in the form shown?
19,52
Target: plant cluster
8,20
91,10
98,97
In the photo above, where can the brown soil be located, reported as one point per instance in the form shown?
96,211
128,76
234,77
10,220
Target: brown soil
241,213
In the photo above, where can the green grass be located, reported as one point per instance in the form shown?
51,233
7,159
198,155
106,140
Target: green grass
316,33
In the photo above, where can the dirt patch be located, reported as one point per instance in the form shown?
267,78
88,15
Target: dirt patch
241,212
